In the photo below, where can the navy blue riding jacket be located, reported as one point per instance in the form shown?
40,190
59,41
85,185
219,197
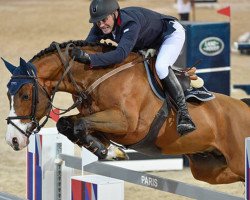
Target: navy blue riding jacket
136,28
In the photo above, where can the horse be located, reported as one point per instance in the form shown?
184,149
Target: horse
121,107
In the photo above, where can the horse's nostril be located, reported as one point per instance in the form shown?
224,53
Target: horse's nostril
14,141
15,144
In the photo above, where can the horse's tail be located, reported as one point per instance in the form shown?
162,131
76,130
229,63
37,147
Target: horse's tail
246,101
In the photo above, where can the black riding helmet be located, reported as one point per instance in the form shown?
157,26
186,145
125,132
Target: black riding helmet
100,9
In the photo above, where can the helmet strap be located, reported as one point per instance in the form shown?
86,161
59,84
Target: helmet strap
115,19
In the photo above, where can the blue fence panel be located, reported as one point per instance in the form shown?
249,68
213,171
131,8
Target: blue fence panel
210,43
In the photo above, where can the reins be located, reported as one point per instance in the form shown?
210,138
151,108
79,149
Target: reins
68,64
83,95
112,73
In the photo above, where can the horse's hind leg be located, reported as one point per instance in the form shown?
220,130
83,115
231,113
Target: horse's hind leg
214,170
218,175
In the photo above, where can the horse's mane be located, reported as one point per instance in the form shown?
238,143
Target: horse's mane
246,101
78,43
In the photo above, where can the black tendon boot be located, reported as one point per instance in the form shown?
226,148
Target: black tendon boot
89,142
172,86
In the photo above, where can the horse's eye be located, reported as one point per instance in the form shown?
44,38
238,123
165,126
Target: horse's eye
25,97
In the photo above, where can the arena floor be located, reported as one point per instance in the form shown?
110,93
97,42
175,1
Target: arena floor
28,26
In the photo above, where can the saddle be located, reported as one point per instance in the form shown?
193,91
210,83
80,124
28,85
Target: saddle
192,85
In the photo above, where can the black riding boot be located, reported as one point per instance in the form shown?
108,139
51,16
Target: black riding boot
172,87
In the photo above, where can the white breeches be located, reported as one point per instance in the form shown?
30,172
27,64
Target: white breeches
170,50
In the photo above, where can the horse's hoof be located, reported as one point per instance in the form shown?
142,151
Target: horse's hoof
116,153
121,154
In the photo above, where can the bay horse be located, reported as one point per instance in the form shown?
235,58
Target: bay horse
122,107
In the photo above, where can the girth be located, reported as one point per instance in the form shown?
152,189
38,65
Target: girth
147,144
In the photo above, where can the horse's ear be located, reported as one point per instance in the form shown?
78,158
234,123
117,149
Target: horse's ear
9,66
22,62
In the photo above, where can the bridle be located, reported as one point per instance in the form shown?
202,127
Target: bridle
32,116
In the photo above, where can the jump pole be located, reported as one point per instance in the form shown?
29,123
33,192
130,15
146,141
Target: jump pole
144,179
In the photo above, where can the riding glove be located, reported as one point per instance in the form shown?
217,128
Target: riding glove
80,55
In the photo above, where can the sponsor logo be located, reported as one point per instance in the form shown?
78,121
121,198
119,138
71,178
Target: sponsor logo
149,181
126,30
13,83
211,46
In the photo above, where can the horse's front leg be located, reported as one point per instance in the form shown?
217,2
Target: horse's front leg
65,126
115,152
108,121
97,144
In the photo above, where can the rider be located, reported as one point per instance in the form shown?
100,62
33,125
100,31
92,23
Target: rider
135,28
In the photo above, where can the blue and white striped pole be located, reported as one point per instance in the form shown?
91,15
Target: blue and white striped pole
247,168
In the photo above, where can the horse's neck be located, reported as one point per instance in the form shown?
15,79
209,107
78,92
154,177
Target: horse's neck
50,70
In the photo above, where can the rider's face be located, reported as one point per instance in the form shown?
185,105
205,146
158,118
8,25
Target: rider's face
107,24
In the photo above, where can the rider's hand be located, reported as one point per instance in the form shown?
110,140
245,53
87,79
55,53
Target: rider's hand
80,56
150,53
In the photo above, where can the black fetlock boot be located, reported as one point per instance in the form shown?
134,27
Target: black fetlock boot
172,87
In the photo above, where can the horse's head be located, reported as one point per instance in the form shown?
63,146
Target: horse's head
29,102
